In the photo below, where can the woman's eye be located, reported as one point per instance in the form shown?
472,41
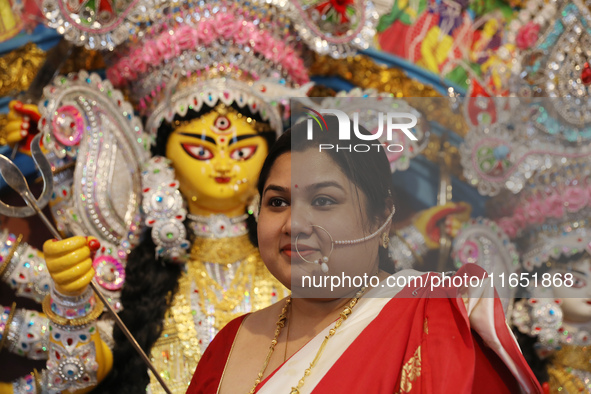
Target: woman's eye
243,153
199,152
323,201
277,202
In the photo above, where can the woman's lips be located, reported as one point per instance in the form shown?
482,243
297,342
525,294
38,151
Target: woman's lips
222,179
303,251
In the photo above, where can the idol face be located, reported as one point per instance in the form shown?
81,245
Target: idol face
576,299
217,159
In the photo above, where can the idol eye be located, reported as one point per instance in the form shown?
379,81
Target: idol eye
222,123
578,282
198,152
243,153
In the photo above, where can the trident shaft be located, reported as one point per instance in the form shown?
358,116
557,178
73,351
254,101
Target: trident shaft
16,180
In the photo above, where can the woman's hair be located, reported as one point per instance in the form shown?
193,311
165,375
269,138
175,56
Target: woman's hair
369,171
149,288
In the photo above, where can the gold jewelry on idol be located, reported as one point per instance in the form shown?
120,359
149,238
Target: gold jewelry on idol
281,323
10,254
322,262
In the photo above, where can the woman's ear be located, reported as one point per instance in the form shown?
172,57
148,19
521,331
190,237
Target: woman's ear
388,212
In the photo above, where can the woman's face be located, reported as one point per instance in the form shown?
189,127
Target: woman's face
576,299
306,190
217,159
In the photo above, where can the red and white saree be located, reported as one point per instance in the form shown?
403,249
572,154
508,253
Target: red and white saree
408,340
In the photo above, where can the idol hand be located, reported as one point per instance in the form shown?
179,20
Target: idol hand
69,263
22,122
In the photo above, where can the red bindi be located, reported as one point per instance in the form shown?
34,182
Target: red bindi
296,186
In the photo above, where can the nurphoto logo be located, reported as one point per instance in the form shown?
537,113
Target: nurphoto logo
392,123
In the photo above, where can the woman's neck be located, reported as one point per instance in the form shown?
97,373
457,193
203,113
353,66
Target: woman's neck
320,310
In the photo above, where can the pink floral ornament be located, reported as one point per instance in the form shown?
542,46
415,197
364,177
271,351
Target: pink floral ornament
187,37
519,217
527,35
535,212
168,46
509,227
554,205
575,198
205,32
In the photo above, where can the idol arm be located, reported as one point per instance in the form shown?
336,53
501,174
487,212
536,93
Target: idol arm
23,268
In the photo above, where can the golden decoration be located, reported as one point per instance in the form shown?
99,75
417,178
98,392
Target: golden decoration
363,72
78,321
321,91
7,326
37,380
410,372
451,156
425,326
222,251
177,351
3,134
9,256
563,362
21,65
19,69
250,274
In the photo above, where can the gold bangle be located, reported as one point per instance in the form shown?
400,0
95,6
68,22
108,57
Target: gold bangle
10,254
78,321
409,246
7,326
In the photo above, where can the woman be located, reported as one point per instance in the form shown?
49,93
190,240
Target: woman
327,213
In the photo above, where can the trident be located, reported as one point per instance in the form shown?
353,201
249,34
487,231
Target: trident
16,180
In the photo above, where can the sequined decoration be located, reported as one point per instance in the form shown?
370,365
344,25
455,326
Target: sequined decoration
225,278
25,385
26,272
366,74
33,338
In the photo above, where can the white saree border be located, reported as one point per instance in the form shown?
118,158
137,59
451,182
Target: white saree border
367,309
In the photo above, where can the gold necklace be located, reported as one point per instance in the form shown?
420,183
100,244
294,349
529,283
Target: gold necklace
287,336
281,323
